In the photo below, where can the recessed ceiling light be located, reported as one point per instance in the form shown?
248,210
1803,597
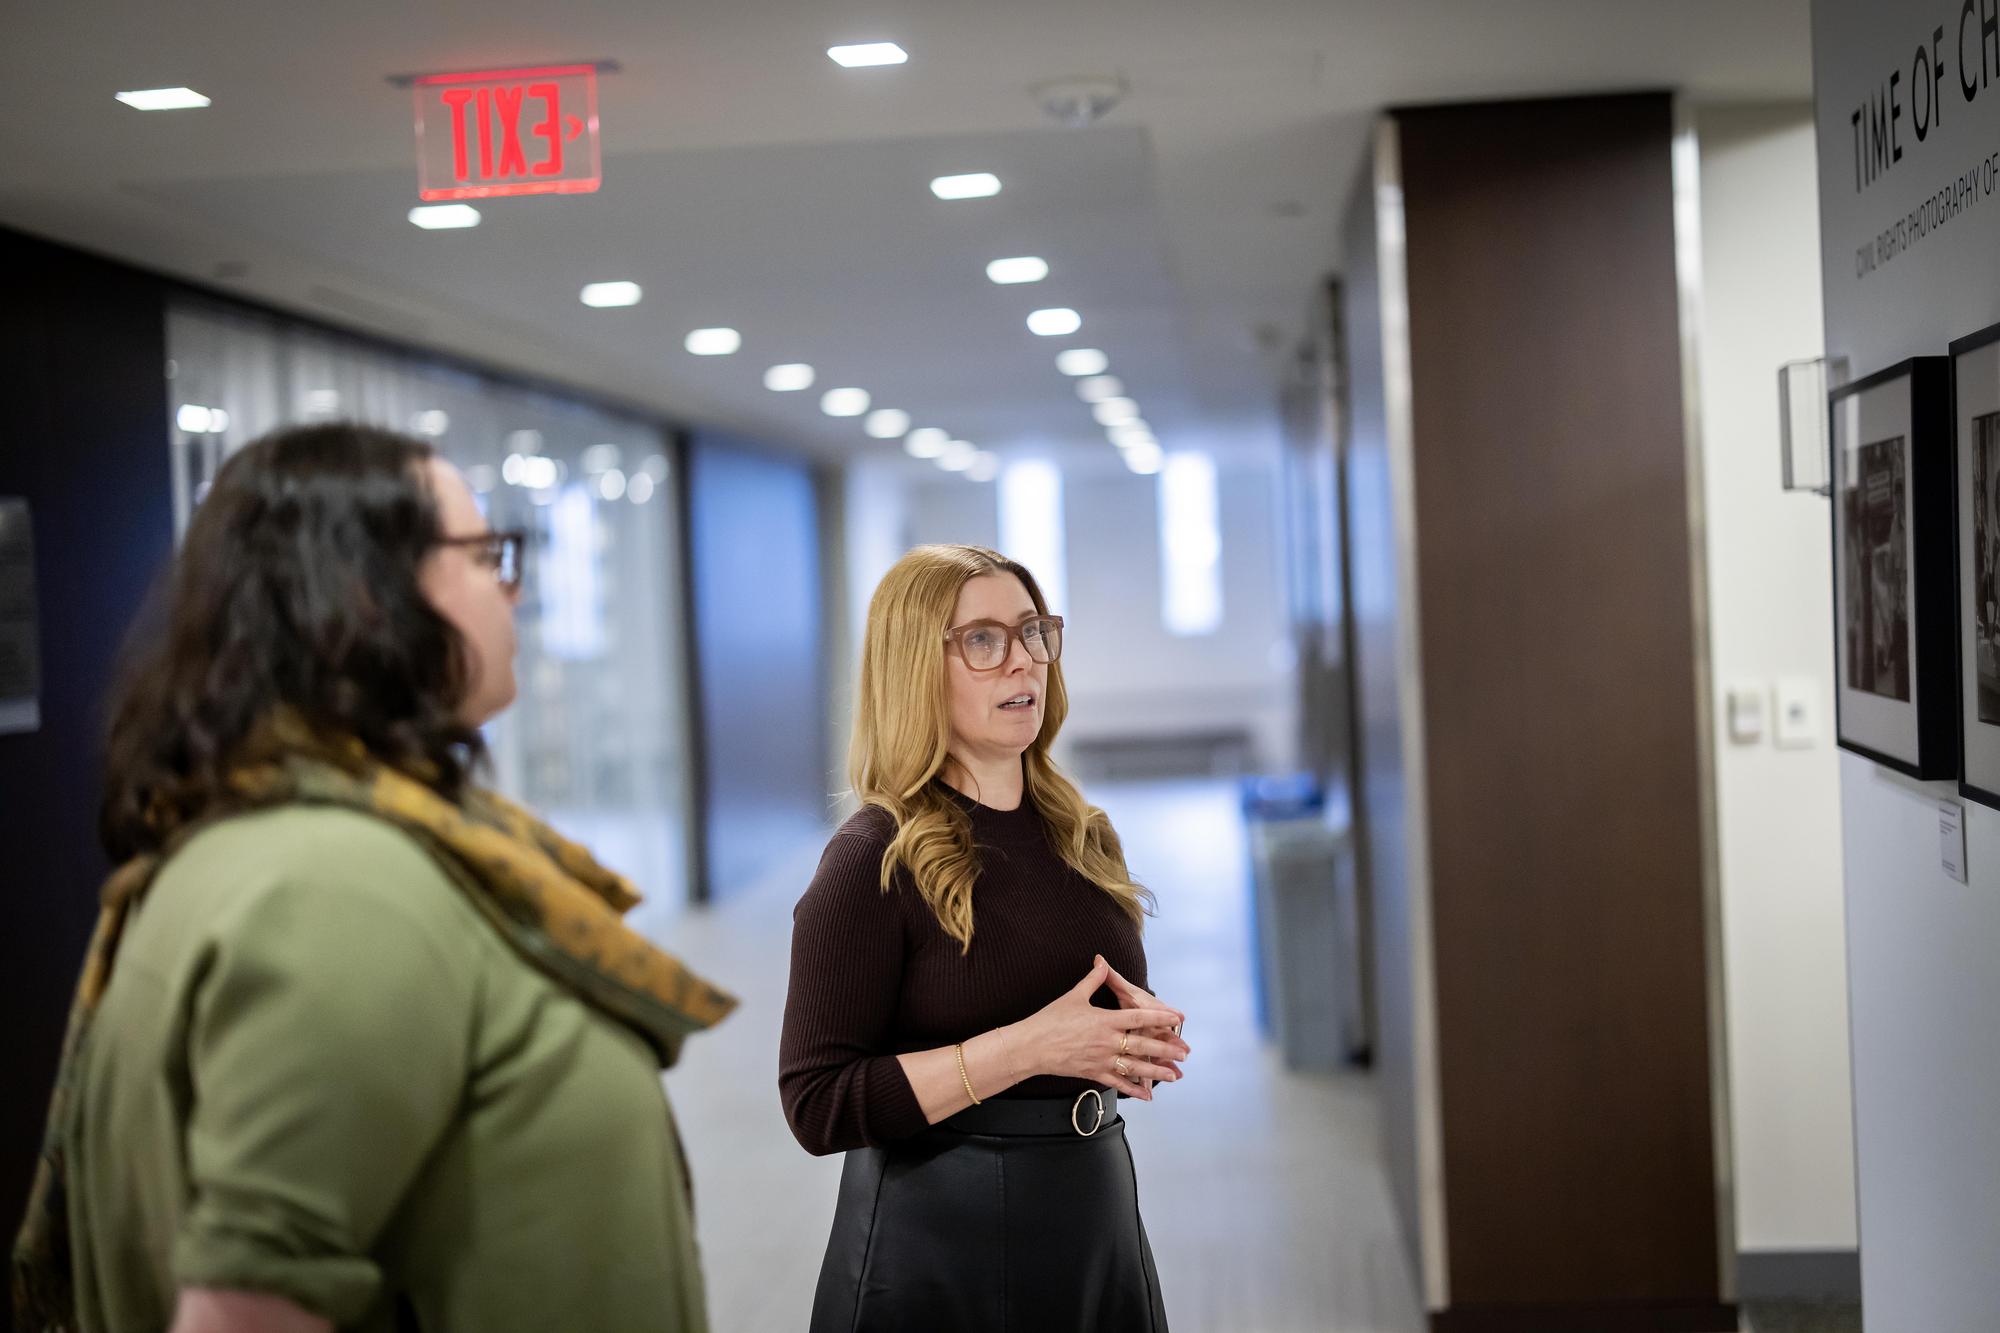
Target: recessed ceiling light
639,488
1026,268
444,217
1144,460
958,456
1055,323
789,378
1100,387
1131,433
163,99
863,54
928,442
714,342
1116,412
1083,361
602,458
976,185
612,485
605,295
887,423
844,402
985,467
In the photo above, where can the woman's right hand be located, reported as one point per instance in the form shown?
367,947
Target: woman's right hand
1072,1038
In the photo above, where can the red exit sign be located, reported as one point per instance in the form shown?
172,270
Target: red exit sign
509,131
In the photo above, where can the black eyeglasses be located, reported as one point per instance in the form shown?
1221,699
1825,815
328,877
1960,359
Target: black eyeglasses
984,644
502,552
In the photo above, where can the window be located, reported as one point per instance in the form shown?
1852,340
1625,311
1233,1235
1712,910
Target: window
601,756
572,604
1031,525
1190,545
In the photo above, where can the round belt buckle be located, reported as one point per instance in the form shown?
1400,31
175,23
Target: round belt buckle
1076,1111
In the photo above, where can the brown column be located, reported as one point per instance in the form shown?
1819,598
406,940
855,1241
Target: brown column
1554,576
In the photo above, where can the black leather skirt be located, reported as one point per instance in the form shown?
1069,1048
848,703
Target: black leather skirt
1003,1219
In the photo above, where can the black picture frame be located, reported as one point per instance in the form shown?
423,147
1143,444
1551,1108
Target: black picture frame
1895,594
1975,402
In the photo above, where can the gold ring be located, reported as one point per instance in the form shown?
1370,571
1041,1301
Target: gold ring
1125,1043
1124,1070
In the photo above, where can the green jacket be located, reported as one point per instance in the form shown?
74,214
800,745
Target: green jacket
318,1072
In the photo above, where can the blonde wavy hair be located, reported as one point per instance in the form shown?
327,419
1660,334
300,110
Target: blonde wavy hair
902,740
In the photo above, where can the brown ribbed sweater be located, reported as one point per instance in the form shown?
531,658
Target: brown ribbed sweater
875,976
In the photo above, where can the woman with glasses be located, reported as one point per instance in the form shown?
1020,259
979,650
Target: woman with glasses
959,1021
357,1043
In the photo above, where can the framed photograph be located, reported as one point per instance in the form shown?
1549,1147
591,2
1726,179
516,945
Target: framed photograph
1897,671
1975,378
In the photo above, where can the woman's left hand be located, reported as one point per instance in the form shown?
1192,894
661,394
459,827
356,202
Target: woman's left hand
1133,997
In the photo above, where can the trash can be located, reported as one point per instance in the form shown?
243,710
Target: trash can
1308,959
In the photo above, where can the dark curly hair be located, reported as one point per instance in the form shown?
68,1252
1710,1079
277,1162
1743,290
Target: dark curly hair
295,591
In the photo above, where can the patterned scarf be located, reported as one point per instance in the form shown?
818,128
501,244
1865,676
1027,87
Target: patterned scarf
559,909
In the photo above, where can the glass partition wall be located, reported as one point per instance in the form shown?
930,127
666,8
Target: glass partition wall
597,740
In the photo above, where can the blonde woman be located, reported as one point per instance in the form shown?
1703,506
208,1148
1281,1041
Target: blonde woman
959,1020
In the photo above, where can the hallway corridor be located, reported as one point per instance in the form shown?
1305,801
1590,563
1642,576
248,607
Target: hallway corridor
1262,1189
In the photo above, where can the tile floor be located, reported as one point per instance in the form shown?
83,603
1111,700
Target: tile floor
1262,1189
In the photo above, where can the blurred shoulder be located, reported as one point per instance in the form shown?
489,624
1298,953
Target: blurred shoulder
329,852
850,869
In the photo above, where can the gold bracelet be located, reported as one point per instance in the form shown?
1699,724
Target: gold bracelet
963,1077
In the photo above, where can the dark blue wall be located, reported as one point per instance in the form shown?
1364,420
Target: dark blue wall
82,374
753,534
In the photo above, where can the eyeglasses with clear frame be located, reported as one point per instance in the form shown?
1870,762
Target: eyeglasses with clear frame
502,552
985,644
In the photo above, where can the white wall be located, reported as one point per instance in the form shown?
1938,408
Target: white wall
1783,930
1127,675
867,529
884,510
944,508
1923,950
1390,819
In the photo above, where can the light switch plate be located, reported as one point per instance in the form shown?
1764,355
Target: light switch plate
1951,839
1797,723
1745,703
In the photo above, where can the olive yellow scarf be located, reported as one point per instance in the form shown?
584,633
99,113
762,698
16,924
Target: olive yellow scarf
559,909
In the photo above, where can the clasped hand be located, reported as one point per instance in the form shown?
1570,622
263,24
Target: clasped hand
1127,1048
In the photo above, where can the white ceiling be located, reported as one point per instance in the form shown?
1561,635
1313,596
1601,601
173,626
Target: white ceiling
750,182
